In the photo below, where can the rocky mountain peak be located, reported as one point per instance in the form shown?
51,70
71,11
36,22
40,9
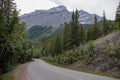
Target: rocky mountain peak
58,9
55,17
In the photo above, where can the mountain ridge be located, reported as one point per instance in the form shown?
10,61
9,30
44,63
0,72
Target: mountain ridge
55,17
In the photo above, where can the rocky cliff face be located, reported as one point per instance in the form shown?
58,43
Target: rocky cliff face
55,17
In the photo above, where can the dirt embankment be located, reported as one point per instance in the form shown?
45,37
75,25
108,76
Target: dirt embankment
21,72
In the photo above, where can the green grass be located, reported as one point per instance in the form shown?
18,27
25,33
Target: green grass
68,66
7,76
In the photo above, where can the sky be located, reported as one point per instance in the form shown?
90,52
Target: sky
91,6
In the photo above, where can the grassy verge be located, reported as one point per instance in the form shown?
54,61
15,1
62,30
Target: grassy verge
10,75
68,66
7,76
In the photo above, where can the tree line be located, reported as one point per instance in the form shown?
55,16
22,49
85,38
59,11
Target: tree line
77,45
14,46
74,34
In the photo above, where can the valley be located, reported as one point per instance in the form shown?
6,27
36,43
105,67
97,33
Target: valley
62,40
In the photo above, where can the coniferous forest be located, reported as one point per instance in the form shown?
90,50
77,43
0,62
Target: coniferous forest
74,34
15,48
93,46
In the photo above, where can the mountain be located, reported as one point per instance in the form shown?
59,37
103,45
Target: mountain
55,17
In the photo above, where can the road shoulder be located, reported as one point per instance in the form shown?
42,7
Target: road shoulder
21,72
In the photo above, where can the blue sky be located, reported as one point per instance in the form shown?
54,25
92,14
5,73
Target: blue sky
91,6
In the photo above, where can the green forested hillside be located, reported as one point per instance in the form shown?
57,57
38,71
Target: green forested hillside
37,31
41,34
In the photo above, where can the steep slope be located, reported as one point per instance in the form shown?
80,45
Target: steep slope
99,56
41,34
102,56
55,17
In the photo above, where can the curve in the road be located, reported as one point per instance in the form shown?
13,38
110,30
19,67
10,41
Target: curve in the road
67,75
40,70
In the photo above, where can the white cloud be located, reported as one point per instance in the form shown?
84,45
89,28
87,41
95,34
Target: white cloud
27,6
60,2
92,6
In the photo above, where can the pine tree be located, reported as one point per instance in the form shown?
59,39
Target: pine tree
81,34
95,29
111,26
74,38
105,26
57,45
65,37
7,52
89,34
12,37
76,28
117,22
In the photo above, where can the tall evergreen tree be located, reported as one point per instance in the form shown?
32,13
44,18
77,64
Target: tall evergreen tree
74,30
12,37
105,26
81,34
57,45
117,21
95,29
65,37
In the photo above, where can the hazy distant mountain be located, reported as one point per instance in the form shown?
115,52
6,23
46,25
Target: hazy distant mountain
55,17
